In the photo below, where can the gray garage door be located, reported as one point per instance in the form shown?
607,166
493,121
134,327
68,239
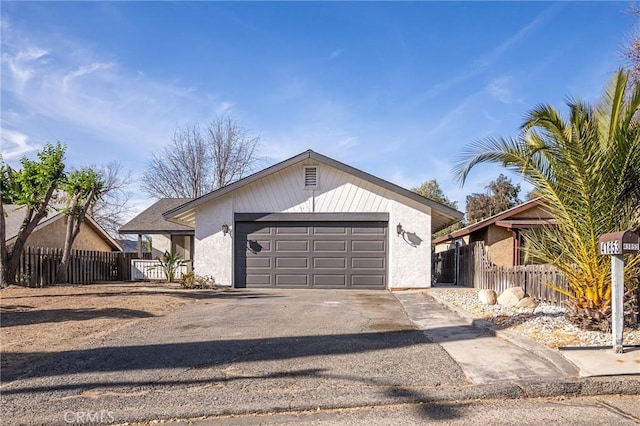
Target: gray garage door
311,254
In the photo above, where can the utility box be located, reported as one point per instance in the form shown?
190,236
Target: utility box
616,243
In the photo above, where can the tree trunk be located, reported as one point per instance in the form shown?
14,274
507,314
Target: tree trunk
61,273
3,246
29,223
74,221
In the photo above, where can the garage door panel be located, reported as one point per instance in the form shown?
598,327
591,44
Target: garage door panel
367,281
339,246
311,254
329,230
292,262
329,280
368,263
292,230
259,279
301,245
258,246
368,246
292,280
258,262
329,263
360,230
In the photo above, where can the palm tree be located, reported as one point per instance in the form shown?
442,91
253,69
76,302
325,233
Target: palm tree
587,168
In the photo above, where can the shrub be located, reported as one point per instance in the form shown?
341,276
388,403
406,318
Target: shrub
191,280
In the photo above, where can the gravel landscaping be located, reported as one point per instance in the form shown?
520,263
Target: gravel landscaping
544,324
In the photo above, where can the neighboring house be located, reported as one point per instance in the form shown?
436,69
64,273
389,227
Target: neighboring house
312,222
502,233
51,231
165,235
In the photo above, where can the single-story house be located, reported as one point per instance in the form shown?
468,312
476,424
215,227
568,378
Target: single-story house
313,222
165,236
502,233
51,231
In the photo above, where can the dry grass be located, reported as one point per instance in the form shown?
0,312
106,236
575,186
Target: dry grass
37,321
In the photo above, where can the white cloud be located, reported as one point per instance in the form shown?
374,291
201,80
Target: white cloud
22,65
500,90
224,108
61,89
348,142
484,61
452,116
15,144
84,70
336,53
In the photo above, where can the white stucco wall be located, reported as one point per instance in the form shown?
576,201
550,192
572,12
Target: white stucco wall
409,254
338,192
213,251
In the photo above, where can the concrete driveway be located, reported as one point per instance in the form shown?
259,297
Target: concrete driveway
239,352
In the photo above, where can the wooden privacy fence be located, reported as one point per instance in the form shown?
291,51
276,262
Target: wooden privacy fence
38,266
470,266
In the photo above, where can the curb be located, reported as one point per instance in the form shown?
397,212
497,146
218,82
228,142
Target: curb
492,391
554,357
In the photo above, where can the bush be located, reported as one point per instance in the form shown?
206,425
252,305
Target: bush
191,280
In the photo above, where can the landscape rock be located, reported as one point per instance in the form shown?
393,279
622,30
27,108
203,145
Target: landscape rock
527,302
511,296
487,297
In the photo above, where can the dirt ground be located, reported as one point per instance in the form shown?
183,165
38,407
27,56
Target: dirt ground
36,321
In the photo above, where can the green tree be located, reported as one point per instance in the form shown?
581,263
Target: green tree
431,189
82,189
33,188
587,167
501,195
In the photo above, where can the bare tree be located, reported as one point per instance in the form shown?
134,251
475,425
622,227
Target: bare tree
232,149
631,50
112,209
197,161
181,169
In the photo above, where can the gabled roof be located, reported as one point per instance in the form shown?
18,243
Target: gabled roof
442,215
150,221
501,219
15,216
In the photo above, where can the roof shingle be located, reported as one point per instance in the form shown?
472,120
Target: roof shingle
150,221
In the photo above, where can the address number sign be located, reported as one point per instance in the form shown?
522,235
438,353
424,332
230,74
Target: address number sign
616,243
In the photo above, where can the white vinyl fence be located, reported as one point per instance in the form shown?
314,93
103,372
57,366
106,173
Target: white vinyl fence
151,270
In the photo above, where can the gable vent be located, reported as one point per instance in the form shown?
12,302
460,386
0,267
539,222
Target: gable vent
310,177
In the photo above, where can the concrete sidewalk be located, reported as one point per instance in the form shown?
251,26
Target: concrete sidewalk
509,347
484,357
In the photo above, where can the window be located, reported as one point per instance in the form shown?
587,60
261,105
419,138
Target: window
310,177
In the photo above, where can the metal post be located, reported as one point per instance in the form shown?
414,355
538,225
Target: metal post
139,246
457,264
617,301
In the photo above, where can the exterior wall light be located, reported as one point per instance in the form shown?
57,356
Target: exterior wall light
399,229
225,229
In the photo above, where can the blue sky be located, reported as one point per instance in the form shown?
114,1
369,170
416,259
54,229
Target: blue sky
394,89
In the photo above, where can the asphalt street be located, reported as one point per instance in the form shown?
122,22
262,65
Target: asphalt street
593,411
